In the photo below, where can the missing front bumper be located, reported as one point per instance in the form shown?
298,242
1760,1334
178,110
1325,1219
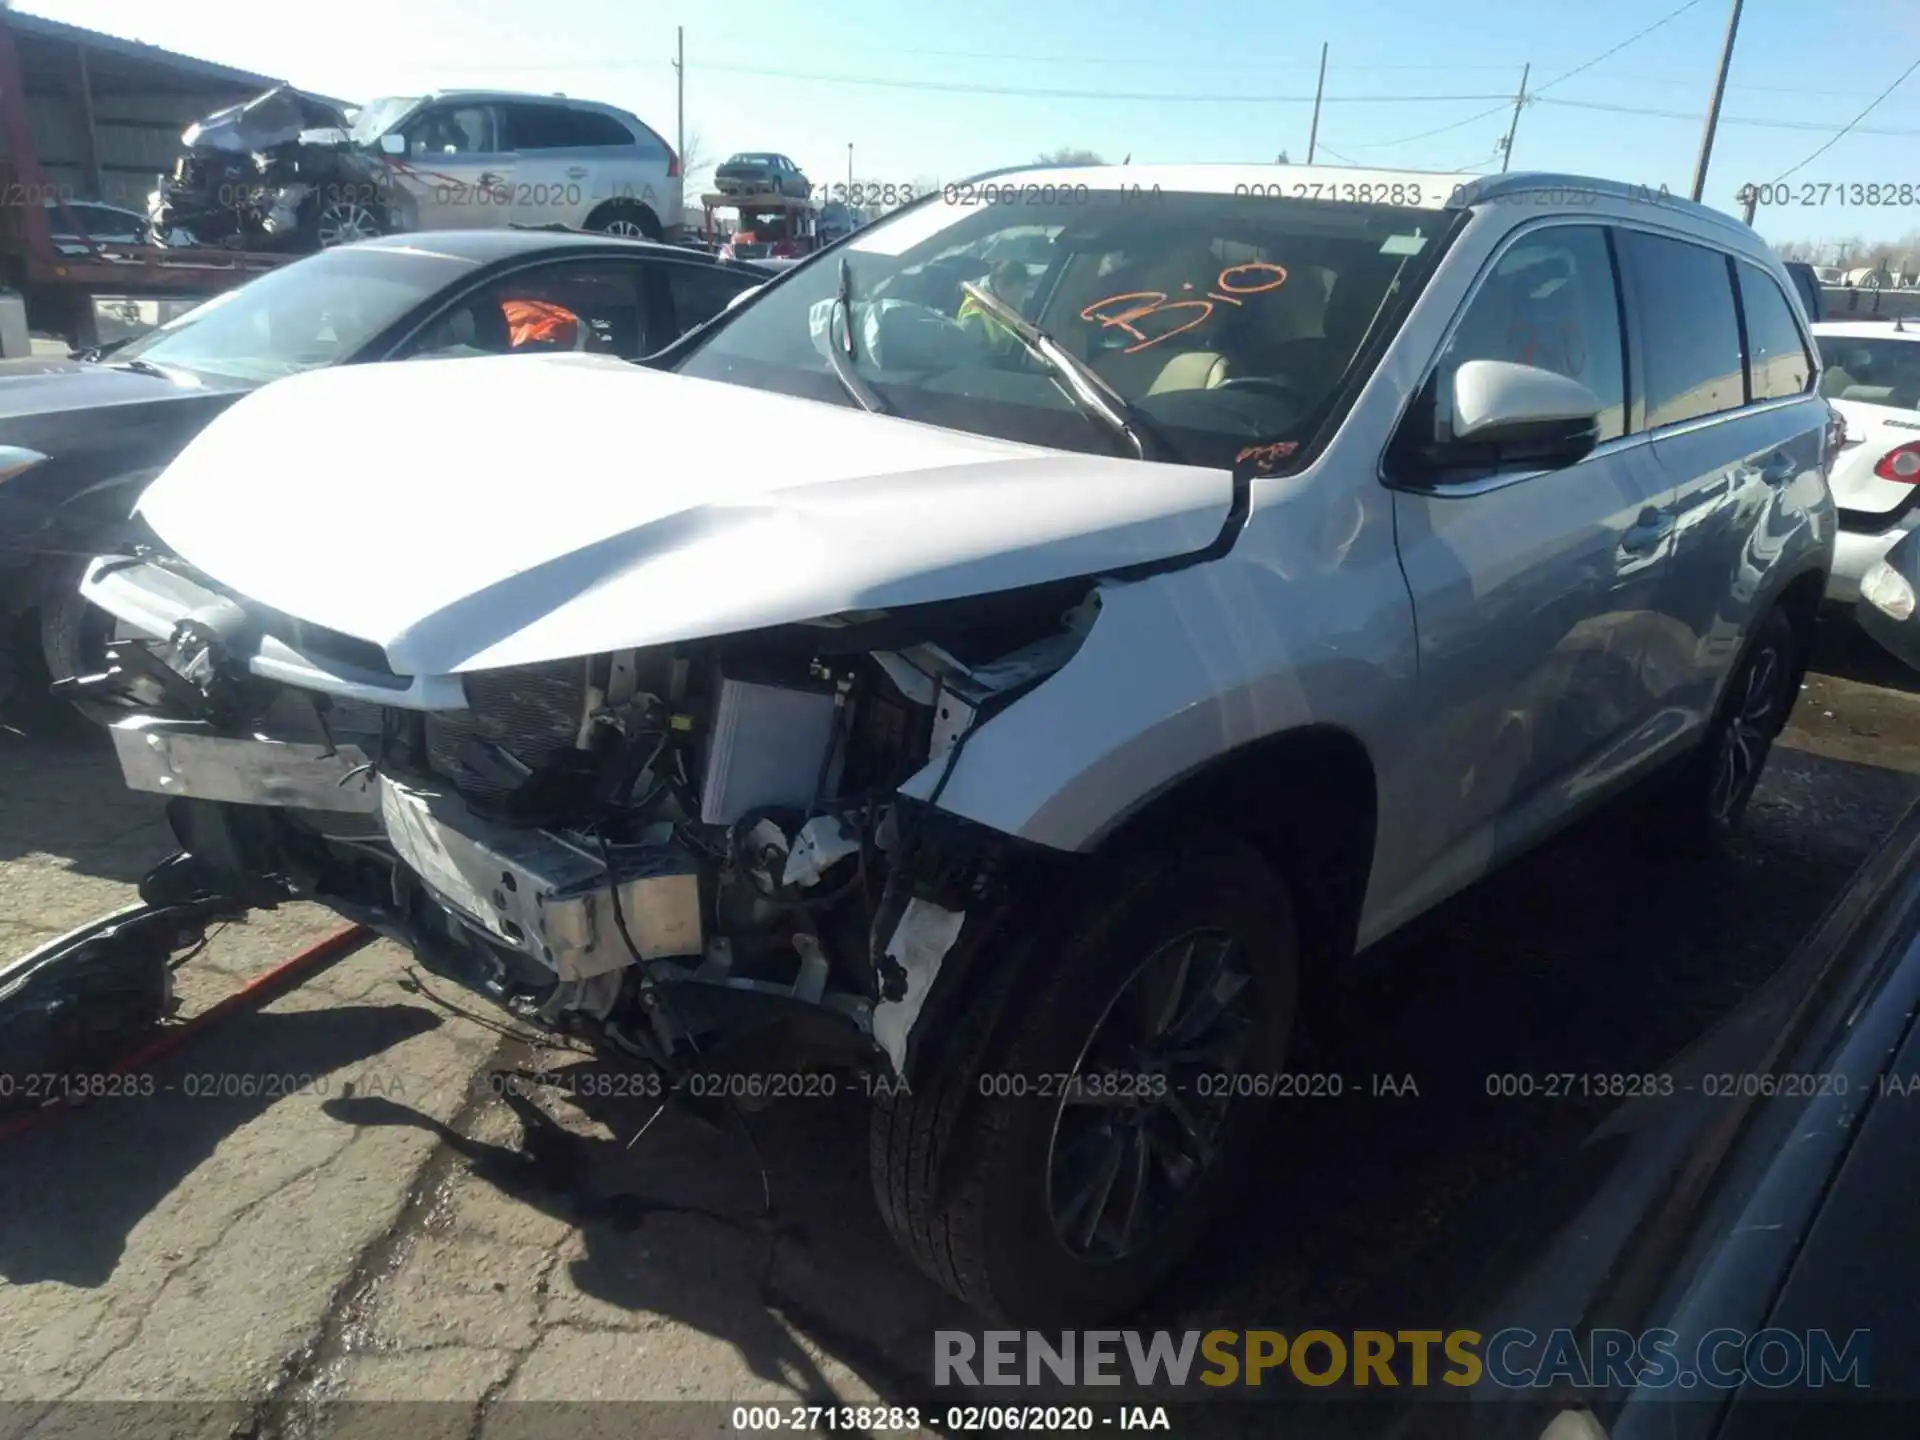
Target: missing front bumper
189,758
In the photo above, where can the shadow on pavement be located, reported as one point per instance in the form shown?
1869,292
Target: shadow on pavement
679,1226
1594,955
1842,648
64,796
73,1188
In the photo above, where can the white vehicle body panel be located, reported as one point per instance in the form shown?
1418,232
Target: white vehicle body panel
1505,653
542,532
1862,496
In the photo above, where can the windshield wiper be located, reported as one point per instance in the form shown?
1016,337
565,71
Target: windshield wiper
140,367
1081,381
840,352
91,353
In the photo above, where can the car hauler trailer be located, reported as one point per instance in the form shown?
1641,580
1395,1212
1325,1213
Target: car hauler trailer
89,116
768,227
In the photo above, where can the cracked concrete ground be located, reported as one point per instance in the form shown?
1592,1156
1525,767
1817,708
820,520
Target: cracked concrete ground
303,1263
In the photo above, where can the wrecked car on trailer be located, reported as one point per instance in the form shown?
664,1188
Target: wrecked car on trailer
1031,694
280,170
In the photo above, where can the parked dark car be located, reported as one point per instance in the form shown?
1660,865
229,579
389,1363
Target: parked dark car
1737,1243
760,173
80,437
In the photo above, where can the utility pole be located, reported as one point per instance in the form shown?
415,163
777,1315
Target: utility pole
1519,102
680,92
1713,109
849,165
1313,135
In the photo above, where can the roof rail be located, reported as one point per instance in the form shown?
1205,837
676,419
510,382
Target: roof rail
995,174
1499,187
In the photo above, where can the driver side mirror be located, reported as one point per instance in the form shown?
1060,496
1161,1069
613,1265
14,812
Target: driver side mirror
393,143
1506,416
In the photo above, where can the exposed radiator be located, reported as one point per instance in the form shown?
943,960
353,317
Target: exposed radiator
533,712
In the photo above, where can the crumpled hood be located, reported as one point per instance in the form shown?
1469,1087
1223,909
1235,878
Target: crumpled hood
466,514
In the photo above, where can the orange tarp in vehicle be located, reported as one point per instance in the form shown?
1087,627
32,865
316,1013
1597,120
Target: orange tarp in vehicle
532,320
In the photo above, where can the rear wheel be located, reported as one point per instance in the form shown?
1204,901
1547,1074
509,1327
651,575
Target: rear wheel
1063,1174
625,217
1705,800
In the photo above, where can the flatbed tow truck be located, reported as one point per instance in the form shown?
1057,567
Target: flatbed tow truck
59,288
784,224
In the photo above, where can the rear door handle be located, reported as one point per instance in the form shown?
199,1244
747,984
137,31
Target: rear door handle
1778,469
1646,532
576,172
489,180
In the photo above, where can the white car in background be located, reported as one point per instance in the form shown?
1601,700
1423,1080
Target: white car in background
1872,378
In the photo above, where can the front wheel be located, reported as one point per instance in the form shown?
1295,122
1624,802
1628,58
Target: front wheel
75,635
343,221
1064,1175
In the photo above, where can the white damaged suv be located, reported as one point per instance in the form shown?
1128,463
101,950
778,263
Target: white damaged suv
1027,673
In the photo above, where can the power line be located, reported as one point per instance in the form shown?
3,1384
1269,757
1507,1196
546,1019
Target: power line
1616,78
1506,100
1841,132
968,88
1609,54
1724,119
1425,134
1159,62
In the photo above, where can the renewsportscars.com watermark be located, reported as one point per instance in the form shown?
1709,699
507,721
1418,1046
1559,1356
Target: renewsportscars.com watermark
1510,1359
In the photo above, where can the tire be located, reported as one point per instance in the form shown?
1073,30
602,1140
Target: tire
625,217
1702,803
74,635
342,222
997,1195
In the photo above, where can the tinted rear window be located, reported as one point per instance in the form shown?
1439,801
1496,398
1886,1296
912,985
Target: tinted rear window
1777,358
1689,330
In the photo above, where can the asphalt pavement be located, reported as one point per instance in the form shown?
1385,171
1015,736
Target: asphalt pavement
360,1221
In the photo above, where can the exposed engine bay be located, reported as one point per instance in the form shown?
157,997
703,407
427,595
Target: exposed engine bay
669,848
256,175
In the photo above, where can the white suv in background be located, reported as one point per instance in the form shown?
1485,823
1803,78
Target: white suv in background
470,159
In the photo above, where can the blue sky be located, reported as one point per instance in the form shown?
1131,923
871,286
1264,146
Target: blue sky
1196,82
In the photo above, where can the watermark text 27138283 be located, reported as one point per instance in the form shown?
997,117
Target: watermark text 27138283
869,193
1812,194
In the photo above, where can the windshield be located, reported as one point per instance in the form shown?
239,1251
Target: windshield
377,117
1871,370
1221,319
317,311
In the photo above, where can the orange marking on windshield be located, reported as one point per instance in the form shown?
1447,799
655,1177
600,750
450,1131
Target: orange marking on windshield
1265,457
1158,303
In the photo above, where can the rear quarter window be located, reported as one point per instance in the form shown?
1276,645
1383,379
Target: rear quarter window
1777,358
1689,329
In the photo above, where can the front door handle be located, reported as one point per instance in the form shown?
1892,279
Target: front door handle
576,172
489,180
1778,469
1647,531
